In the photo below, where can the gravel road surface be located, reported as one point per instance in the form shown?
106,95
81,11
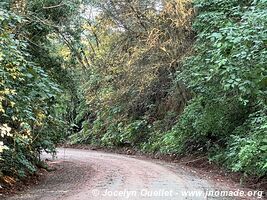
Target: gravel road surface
92,175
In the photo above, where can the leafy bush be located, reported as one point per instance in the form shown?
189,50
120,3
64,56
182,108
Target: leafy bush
247,149
228,73
31,100
26,92
139,84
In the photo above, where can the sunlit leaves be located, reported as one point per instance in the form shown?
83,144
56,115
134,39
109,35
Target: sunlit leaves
26,96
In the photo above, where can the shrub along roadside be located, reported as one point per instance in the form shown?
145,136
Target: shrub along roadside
33,95
226,75
27,94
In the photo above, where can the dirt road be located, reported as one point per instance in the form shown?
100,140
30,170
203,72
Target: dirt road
91,175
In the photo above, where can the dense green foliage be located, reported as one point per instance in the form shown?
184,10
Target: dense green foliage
129,86
33,100
27,95
159,83
170,77
228,75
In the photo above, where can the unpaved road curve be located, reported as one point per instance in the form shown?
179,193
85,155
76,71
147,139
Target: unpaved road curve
91,175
